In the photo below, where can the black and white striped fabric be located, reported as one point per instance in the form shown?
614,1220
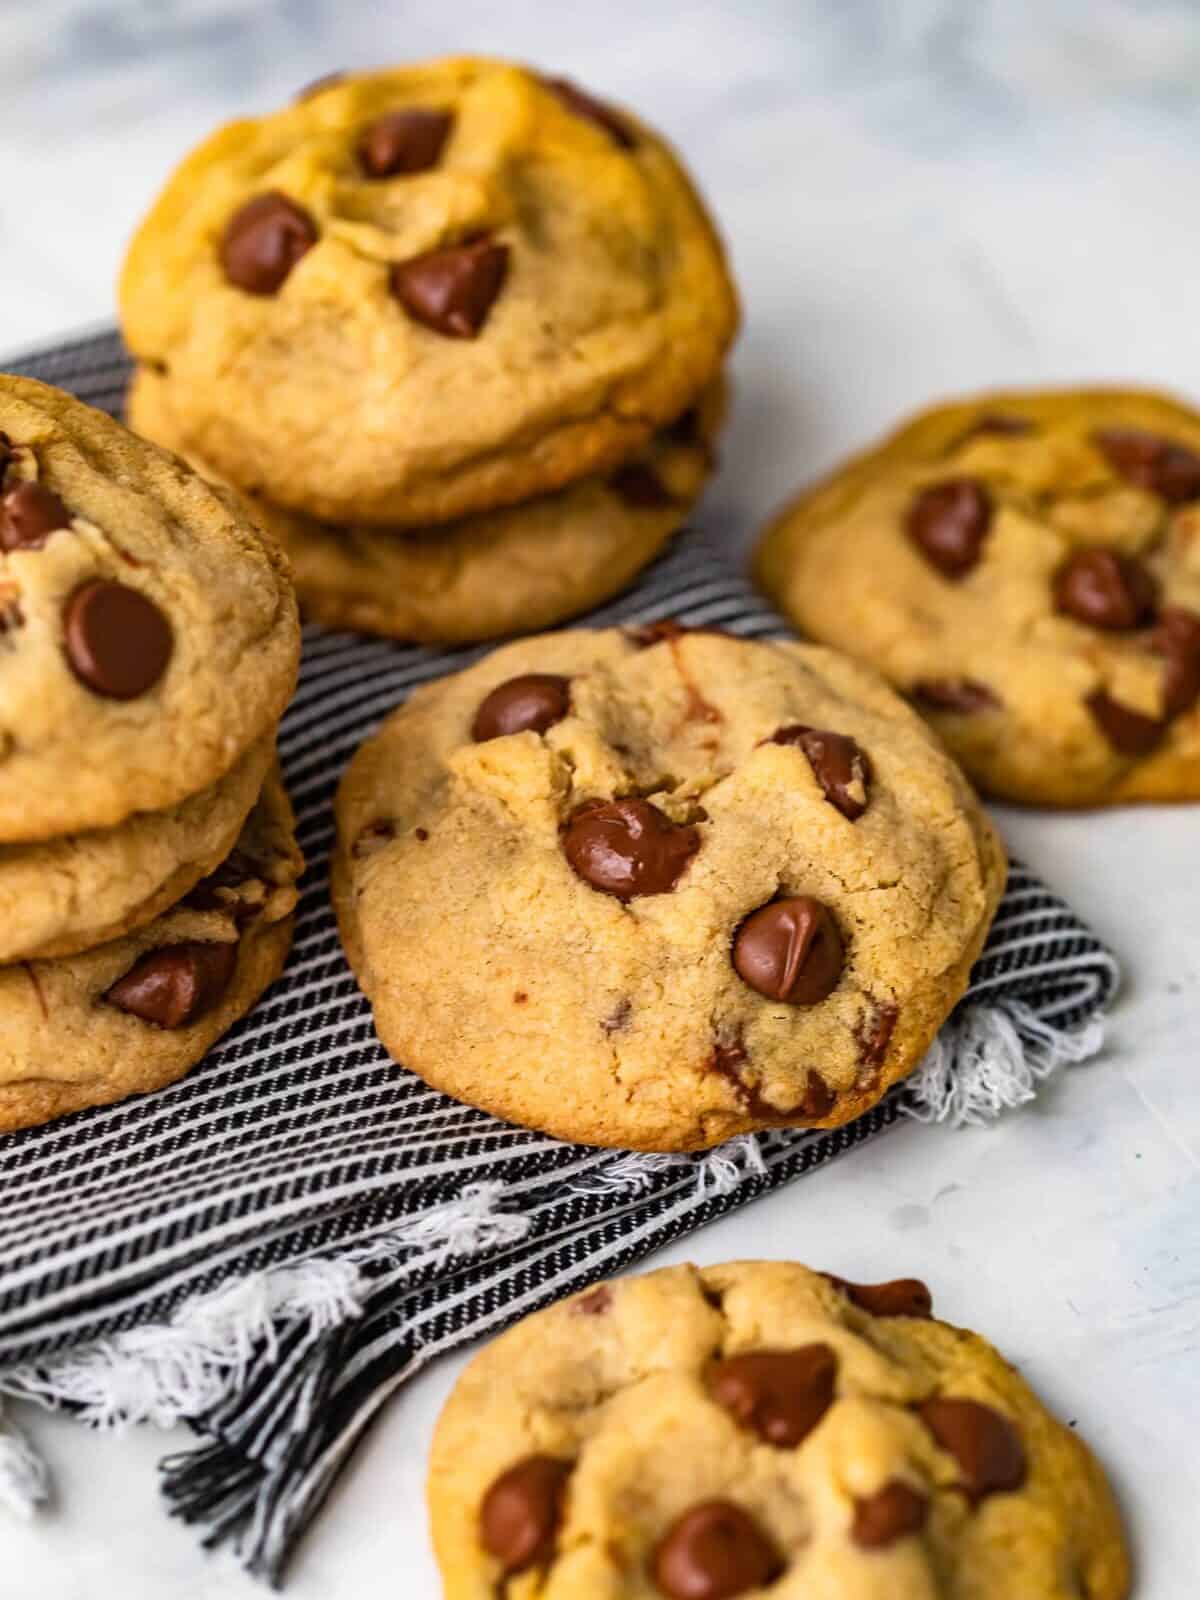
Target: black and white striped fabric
367,1222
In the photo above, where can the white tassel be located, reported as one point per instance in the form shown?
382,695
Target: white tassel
630,1174
24,1483
723,1169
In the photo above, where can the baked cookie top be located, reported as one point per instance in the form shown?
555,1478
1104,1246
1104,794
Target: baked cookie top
426,291
654,888
148,630
759,1429
1026,566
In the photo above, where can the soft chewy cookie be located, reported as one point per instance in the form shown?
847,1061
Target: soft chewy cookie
148,629
1026,567
137,1013
514,570
652,889
428,291
758,1429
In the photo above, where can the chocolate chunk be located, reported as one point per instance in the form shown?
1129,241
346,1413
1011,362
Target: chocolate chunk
1151,462
29,514
817,1099
117,641
780,1394
640,486
988,1449
790,950
401,142
628,847
452,290
174,986
1129,731
714,1552
529,704
948,522
838,764
584,105
328,80
874,1036
962,695
1177,638
900,1297
520,1514
891,1513
1105,590
263,241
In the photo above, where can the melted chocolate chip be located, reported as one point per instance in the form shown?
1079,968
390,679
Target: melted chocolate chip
29,514
988,1449
962,695
1151,462
528,704
451,291
595,1302
839,766
948,522
873,1037
263,241
520,1514
618,1018
1177,638
1105,590
628,847
1129,731
403,142
715,1551
899,1297
640,487
790,950
174,986
817,1100
779,1394
373,836
1002,423
645,634
891,1513
586,106
117,641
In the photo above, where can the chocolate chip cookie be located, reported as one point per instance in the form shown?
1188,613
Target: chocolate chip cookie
757,1428
654,888
148,629
137,1013
513,570
1026,568
427,291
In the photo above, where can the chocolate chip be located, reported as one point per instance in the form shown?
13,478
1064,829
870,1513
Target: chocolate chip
618,1018
1129,731
1177,637
780,1394
29,514
665,629
1105,590
318,85
117,641
790,950
263,241
373,836
1002,423
628,847
1151,462
520,1514
401,142
873,1037
640,487
529,704
452,290
714,1552
962,695
595,1302
900,1297
949,522
817,1099
891,1513
174,986
991,1459
838,764
584,105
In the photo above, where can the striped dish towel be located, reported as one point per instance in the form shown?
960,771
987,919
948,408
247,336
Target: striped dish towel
272,1247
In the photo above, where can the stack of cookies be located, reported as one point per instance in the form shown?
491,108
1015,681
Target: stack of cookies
455,331
148,645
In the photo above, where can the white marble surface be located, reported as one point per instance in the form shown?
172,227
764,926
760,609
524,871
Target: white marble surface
921,195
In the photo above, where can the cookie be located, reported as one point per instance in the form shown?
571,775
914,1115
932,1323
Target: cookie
148,629
653,889
425,292
757,1428
1026,567
514,570
139,1012
63,896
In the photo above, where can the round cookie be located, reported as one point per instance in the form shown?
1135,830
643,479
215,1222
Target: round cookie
757,1428
138,1013
427,291
654,889
148,630
514,570
1026,567
63,896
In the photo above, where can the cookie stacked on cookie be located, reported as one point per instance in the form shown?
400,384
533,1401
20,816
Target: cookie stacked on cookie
455,331
148,645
